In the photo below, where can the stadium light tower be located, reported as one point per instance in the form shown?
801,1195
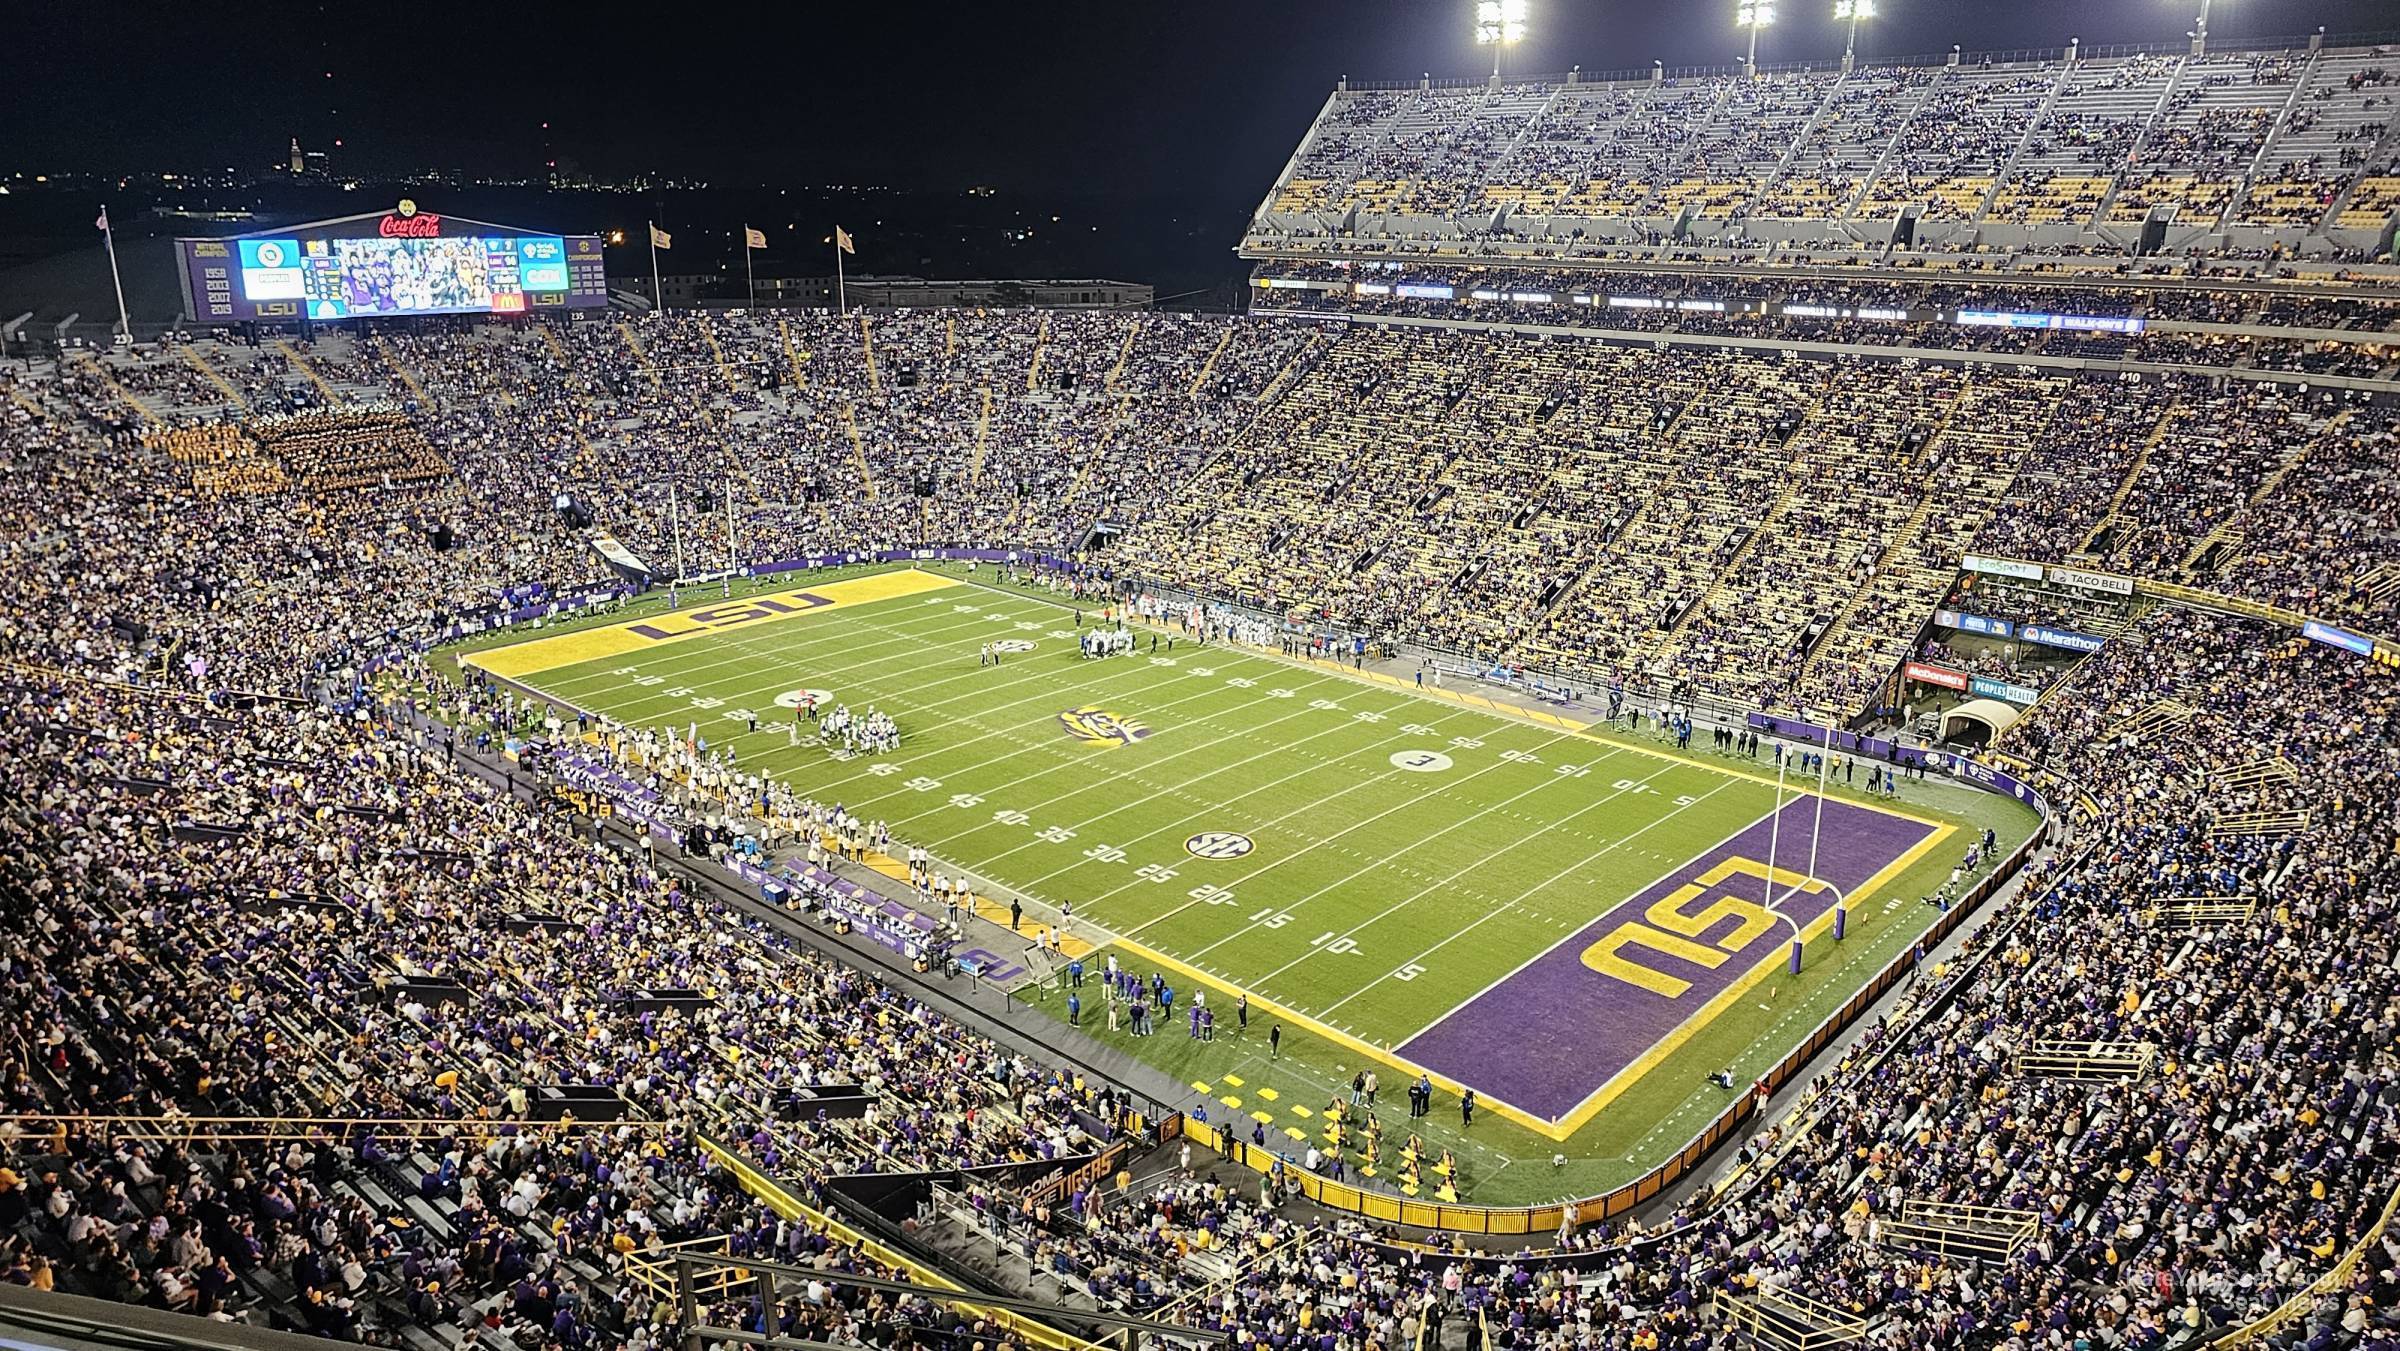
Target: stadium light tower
1754,15
2199,34
1499,24
1853,10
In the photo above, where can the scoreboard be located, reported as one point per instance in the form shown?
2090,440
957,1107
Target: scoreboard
376,266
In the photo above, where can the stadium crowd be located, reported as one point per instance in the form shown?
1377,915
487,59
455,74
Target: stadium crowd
245,885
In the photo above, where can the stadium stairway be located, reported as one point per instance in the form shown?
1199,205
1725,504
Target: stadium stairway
191,352
99,367
400,372
2133,476
1664,642
300,363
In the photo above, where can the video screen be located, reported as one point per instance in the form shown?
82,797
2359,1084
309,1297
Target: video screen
354,278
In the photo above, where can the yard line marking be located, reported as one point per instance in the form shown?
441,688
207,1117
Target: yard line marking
1038,675
1550,881
1509,712
1082,824
749,651
1311,805
1480,861
633,708
1217,808
1546,781
1068,758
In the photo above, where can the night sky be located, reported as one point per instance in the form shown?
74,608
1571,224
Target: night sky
1155,129
1197,99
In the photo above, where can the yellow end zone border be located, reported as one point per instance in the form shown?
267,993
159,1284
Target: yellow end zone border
652,632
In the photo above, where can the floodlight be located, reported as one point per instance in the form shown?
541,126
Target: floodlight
1499,24
1754,14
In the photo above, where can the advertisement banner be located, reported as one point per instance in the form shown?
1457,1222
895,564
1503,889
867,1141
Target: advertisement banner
1983,624
1989,688
2001,567
2092,581
2066,638
2341,638
1997,780
1935,675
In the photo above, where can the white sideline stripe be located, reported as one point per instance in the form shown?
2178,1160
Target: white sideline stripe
1543,885
1730,837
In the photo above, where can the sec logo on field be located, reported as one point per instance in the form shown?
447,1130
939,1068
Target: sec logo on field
1217,844
795,698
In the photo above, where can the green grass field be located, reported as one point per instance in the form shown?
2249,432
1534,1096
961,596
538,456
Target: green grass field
1361,859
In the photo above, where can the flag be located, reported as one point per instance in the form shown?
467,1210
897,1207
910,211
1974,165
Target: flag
756,239
841,240
660,239
102,223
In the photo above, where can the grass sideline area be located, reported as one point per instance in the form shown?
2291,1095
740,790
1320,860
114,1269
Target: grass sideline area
1394,878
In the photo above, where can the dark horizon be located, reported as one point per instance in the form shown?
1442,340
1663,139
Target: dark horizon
1204,102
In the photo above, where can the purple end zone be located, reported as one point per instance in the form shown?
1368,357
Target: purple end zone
1555,1031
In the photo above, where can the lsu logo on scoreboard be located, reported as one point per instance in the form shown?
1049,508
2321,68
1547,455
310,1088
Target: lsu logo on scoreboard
1101,727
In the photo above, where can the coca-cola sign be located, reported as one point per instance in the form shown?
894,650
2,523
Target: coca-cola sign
422,226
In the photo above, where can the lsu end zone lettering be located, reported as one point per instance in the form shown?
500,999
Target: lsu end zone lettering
1561,1037
673,626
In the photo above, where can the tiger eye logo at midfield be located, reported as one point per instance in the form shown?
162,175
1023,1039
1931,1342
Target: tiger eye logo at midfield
1101,727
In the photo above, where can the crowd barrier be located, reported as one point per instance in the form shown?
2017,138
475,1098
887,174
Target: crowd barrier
776,1198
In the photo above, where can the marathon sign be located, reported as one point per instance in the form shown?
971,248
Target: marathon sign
2066,638
2092,581
2001,567
1936,675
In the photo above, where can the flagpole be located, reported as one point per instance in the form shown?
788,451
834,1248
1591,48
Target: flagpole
108,232
841,297
656,304
749,277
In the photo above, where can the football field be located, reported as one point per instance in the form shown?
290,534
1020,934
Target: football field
1578,926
